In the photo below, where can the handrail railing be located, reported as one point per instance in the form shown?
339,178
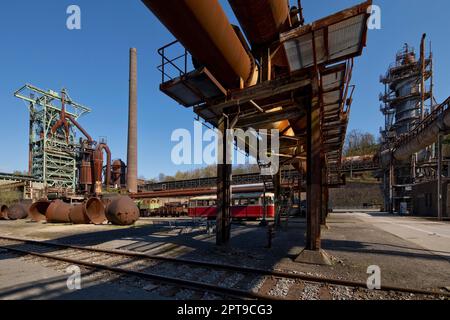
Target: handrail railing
165,62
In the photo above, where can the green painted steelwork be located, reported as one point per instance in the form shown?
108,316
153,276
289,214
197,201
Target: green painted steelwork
53,156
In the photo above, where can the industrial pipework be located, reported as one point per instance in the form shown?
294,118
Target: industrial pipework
423,136
262,20
204,30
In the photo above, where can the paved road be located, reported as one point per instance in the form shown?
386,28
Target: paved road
431,235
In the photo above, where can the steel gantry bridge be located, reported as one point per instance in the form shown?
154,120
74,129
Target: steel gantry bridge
282,75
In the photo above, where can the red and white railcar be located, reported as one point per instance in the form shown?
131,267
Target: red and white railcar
245,206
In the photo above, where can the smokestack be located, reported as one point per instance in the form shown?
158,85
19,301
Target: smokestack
132,125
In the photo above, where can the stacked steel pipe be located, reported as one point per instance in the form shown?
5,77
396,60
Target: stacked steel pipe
18,211
38,210
122,211
58,212
119,210
91,211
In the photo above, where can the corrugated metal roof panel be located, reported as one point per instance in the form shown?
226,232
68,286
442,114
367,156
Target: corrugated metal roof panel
345,37
344,40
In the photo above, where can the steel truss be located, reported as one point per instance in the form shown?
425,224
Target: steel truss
52,157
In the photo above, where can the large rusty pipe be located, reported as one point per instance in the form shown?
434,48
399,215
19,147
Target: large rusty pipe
91,211
100,148
58,212
122,211
18,211
262,20
205,31
95,210
38,210
77,214
424,139
84,132
132,170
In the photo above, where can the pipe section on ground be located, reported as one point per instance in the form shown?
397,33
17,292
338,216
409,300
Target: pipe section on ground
4,212
122,211
18,211
78,214
90,211
203,28
95,211
58,212
38,210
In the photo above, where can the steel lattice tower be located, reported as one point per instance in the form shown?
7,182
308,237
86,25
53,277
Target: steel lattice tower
52,157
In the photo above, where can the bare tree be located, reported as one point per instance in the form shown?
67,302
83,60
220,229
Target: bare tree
359,144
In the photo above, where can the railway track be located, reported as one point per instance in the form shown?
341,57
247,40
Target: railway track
220,280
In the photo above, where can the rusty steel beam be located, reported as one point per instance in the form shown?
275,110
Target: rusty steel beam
224,179
261,91
194,192
132,171
314,175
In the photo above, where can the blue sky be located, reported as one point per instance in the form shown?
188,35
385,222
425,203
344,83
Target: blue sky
37,48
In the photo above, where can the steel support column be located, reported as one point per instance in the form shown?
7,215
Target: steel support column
300,193
325,208
391,189
439,178
324,193
314,177
224,179
278,200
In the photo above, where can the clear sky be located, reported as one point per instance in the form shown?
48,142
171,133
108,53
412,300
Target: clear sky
37,48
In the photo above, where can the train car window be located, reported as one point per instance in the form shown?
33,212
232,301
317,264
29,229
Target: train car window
236,202
253,201
212,203
244,202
